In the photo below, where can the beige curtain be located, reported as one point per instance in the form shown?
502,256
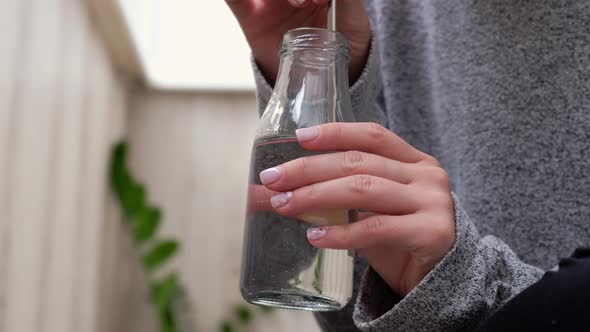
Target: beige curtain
61,107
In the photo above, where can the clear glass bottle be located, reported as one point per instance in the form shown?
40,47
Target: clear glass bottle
279,267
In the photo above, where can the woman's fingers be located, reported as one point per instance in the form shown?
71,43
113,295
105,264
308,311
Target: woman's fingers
368,137
372,193
305,171
378,230
414,232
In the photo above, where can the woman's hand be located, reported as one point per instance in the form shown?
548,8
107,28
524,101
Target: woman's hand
409,226
264,23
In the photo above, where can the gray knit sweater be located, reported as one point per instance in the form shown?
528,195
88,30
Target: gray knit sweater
499,92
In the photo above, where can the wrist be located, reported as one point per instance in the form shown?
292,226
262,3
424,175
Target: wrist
358,58
268,67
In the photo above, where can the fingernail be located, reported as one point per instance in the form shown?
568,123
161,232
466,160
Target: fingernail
269,176
307,134
280,200
316,233
297,2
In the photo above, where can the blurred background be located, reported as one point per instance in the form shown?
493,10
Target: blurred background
172,79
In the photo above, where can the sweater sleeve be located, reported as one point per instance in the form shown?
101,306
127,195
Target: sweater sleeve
364,93
473,280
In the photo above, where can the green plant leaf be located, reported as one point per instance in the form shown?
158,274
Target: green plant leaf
120,179
120,151
243,313
133,198
118,170
165,326
146,222
159,254
167,323
164,291
226,326
131,194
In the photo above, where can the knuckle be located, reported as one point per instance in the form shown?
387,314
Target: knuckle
374,227
360,184
353,162
440,200
446,203
376,132
301,165
430,161
439,176
310,191
336,129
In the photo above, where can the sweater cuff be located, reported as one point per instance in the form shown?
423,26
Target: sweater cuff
429,306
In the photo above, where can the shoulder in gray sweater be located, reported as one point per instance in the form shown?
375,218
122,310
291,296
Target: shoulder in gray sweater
499,92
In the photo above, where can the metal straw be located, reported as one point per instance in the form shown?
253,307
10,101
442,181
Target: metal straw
332,94
332,16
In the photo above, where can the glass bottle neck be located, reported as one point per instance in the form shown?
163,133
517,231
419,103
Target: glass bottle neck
312,84
312,77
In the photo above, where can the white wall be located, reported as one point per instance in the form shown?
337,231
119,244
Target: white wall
61,107
192,151
66,263
182,43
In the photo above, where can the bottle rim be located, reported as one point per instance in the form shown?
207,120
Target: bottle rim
315,39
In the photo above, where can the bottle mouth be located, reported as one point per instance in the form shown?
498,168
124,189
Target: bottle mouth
315,39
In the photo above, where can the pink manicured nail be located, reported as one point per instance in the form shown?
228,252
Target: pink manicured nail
307,134
269,176
316,233
280,200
